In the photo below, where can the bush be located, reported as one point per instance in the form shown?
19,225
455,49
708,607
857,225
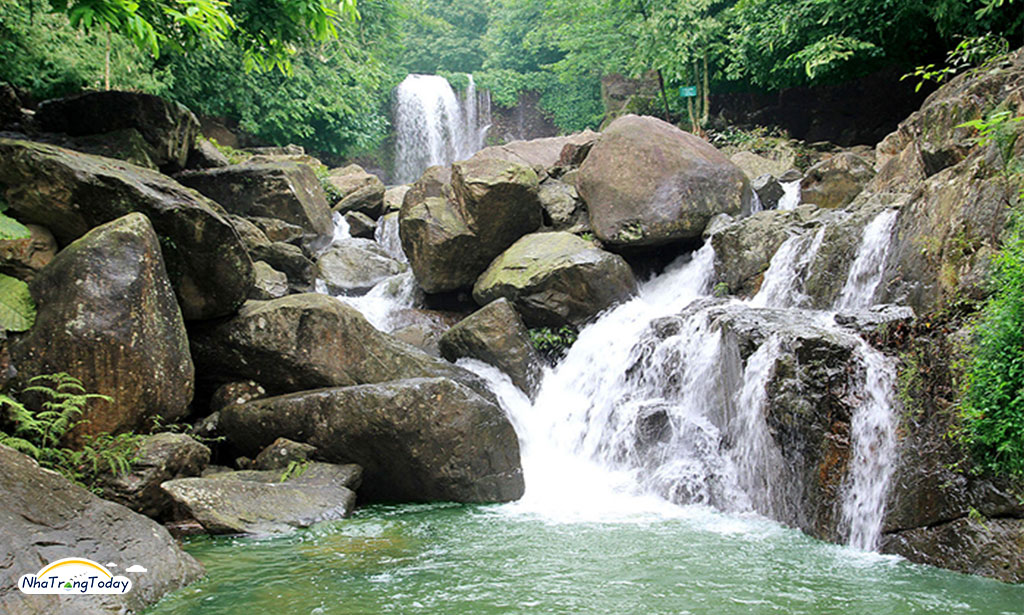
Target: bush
553,343
50,407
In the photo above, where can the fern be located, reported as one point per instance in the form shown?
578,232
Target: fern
53,407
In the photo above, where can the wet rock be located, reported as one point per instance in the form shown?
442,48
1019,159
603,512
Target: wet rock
44,518
769,191
835,182
308,341
290,260
205,155
393,198
236,393
254,502
555,279
495,334
162,457
419,440
867,321
168,128
283,190
361,191
540,153
278,230
744,249
281,453
354,266
987,547
23,258
647,183
450,240
270,283
127,145
754,165
107,315
71,193
360,225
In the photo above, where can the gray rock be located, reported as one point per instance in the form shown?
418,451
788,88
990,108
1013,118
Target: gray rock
754,165
988,547
277,230
205,155
281,453
768,190
162,457
270,283
71,193
169,128
560,202
393,198
361,191
360,225
283,190
44,518
495,334
290,260
236,393
555,279
354,266
419,440
308,341
252,502
107,315
836,181
647,183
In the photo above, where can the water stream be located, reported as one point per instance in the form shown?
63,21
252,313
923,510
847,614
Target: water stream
651,478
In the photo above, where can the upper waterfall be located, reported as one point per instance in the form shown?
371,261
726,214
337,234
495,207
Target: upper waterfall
435,126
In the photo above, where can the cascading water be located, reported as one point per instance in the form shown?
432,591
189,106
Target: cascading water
652,406
869,264
433,126
790,195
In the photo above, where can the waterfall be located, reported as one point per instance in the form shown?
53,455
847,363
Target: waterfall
387,236
653,407
869,264
790,195
433,126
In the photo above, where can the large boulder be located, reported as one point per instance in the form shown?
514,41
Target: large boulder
44,518
107,315
70,193
265,502
988,547
835,182
290,260
169,128
495,334
162,457
555,279
451,239
542,153
646,183
393,198
439,244
354,266
420,440
283,190
359,191
309,341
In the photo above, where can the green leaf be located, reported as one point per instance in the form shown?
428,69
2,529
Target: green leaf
12,229
17,310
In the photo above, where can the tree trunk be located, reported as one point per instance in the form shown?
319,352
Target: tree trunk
664,96
106,63
707,90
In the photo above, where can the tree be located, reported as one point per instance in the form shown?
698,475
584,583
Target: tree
265,30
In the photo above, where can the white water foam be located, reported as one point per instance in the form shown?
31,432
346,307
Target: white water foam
869,264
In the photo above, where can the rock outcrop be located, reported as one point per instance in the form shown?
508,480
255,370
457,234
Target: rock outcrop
70,193
354,266
267,502
107,316
168,128
283,190
418,440
360,191
555,279
44,518
645,182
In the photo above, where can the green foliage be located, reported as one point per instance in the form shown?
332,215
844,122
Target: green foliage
998,127
720,290
993,397
36,420
553,343
444,36
972,51
330,191
17,309
295,469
